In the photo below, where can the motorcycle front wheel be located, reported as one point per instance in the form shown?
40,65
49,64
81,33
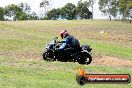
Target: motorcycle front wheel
46,57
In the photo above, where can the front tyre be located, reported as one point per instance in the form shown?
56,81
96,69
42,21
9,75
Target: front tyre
45,55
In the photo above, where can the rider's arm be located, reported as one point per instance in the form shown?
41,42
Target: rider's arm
64,44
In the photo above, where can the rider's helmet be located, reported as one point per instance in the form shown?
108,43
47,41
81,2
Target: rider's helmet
63,34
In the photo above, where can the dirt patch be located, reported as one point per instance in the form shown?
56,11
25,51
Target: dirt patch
111,61
101,60
30,56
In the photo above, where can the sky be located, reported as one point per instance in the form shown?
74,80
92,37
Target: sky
55,4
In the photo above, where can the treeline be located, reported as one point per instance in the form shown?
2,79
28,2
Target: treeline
70,12
17,12
111,8
23,12
114,8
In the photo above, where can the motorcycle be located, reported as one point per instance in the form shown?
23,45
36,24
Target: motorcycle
82,55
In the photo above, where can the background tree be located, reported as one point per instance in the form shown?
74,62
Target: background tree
130,15
45,5
124,7
129,8
109,7
18,12
91,4
26,9
54,14
33,16
78,9
23,16
69,11
2,14
83,11
13,11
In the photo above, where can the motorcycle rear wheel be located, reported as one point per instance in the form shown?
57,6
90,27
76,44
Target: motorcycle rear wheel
86,58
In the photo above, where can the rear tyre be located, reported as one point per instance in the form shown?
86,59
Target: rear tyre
81,61
86,58
76,59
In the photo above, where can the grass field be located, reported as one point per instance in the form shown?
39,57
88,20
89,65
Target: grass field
22,44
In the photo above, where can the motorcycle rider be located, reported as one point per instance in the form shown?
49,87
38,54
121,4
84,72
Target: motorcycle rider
69,43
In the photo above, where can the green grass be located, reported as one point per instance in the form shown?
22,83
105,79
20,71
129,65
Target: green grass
16,35
22,43
110,49
31,74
